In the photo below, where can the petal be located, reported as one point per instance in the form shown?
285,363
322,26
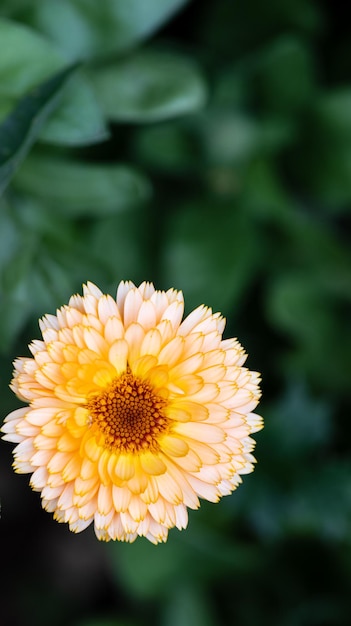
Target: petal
147,315
152,464
200,431
125,467
107,308
132,306
174,446
118,355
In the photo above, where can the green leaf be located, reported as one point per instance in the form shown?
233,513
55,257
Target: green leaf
9,235
16,265
79,188
22,127
78,120
299,424
210,250
188,606
149,86
85,28
27,59
323,162
285,77
122,244
230,138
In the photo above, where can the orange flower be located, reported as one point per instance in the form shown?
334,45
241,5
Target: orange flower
133,413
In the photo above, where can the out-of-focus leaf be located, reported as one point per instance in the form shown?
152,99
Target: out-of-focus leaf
263,193
169,147
79,188
298,305
230,138
149,86
299,424
323,161
146,572
188,606
286,76
78,119
123,243
36,217
21,128
210,248
322,505
223,29
85,29
333,110
15,299
295,302
9,235
26,60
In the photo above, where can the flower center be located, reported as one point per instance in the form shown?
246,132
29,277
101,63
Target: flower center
129,414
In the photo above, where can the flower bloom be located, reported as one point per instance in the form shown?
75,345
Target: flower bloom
133,413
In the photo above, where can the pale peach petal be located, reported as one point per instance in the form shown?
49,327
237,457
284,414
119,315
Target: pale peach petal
121,497
105,501
123,288
147,290
161,301
24,429
137,509
187,366
147,315
171,352
174,314
151,343
206,433
118,355
93,290
195,317
113,329
132,305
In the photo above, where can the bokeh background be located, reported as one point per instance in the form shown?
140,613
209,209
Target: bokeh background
205,146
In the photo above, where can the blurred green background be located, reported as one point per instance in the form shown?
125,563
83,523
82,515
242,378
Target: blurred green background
205,146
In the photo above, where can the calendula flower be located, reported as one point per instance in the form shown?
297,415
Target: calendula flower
133,413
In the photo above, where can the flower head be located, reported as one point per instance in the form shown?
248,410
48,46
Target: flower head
133,413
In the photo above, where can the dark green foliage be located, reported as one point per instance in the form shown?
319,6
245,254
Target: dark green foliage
205,146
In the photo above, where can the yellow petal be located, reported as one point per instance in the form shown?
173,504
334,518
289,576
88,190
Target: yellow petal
174,446
152,464
124,468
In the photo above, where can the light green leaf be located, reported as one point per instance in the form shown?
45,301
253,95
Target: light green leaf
149,86
78,119
26,60
86,28
21,128
82,189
